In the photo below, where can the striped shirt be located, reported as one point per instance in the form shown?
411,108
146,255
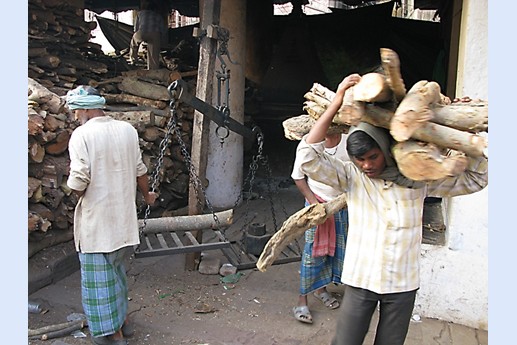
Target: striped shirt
385,219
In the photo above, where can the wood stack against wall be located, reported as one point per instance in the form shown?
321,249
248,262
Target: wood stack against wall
61,58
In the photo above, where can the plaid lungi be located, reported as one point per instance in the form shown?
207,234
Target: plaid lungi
317,272
104,291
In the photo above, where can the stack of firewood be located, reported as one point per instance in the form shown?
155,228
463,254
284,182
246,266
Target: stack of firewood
51,203
433,135
59,51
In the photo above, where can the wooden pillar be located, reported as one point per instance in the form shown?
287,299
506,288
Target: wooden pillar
209,14
225,162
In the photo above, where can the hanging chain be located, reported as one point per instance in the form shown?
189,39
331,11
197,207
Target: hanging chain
172,126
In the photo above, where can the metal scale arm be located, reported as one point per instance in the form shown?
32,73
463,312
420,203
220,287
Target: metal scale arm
178,91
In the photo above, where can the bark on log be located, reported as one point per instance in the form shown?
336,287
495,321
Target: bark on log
471,117
391,65
295,226
73,326
165,75
415,109
372,88
40,94
57,327
187,223
36,152
60,144
445,137
296,127
424,161
471,144
48,61
132,99
133,117
144,89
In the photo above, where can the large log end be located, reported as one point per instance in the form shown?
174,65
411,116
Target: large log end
421,161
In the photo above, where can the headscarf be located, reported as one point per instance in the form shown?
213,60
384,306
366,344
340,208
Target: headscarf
391,172
84,97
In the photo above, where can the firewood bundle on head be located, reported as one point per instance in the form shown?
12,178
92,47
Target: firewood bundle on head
432,135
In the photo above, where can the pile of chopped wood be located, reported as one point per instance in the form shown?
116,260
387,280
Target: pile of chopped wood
59,48
61,57
51,203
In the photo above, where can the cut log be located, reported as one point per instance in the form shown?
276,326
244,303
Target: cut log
36,123
372,88
296,127
415,109
391,65
34,184
188,223
132,99
48,61
144,89
424,161
294,226
37,223
60,144
132,117
165,75
40,94
36,151
471,117
471,144
351,111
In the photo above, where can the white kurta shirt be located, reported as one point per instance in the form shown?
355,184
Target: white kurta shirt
322,190
105,161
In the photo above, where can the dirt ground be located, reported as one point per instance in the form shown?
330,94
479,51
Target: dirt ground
171,305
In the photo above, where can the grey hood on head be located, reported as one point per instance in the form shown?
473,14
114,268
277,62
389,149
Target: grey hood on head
384,140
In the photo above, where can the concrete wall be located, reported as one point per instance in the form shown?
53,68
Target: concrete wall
454,280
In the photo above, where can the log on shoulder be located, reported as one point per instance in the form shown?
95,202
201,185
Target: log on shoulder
373,87
391,65
415,109
296,127
295,226
421,161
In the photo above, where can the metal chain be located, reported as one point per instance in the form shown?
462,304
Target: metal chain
159,163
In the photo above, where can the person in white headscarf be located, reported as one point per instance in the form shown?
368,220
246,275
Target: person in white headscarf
382,260
106,169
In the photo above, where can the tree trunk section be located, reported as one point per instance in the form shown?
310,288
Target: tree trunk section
294,226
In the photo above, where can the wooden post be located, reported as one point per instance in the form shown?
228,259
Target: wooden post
209,15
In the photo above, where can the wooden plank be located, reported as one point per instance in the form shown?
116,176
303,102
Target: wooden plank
176,239
161,240
191,238
209,13
182,250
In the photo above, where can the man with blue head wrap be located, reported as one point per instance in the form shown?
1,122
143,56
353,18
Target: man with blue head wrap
106,169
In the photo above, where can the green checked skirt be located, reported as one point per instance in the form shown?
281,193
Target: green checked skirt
104,291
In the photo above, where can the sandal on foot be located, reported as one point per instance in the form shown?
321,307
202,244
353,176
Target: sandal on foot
329,301
302,313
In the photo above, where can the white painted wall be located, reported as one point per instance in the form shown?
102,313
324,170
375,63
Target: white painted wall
454,280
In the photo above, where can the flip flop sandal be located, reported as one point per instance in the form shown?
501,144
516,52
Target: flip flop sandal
302,313
329,301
